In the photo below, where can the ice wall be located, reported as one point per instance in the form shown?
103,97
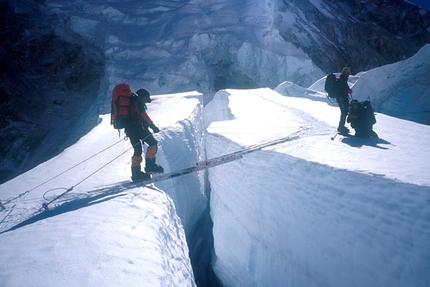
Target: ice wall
181,146
177,46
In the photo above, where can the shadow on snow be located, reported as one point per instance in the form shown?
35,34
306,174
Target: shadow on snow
359,142
102,195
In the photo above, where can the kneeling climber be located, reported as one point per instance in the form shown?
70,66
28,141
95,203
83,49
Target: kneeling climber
361,116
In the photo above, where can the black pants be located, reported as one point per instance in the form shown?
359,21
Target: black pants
343,103
138,135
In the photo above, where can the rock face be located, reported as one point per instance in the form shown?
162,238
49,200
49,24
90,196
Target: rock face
46,84
359,34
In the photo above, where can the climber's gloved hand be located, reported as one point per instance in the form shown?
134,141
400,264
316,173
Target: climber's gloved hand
154,128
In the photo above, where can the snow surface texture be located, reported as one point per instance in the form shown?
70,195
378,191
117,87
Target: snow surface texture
110,238
309,212
312,211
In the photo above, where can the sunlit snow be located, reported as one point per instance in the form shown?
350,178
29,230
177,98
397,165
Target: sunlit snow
308,212
312,211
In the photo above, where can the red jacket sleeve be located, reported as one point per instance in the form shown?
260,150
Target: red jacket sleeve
139,109
146,118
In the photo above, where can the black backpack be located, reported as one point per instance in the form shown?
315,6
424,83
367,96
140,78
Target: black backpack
368,112
330,85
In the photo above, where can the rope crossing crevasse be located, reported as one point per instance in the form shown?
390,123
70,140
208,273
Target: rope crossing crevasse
199,166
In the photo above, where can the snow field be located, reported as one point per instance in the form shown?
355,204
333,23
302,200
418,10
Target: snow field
133,237
316,212
124,238
310,212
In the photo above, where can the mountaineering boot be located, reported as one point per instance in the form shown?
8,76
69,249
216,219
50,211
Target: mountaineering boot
152,167
138,175
342,130
374,135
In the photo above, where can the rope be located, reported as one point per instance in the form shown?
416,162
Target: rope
52,190
112,160
67,170
45,205
4,218
103,166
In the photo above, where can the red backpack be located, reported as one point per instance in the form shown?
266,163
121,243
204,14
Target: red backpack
121,113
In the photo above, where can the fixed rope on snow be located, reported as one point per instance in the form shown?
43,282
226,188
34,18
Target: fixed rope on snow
61,173
2,206
45,205
199,166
